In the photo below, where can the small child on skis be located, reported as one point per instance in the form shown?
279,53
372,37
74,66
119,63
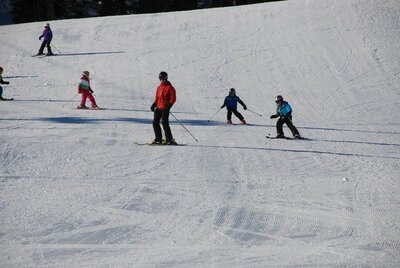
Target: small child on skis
86,91
3,83
284,112
47,36
231,105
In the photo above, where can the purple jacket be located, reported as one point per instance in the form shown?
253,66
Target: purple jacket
47,34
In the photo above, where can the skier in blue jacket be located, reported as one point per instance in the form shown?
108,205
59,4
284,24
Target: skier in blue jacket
231,105
284,112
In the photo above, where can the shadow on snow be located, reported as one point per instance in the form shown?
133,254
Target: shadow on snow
89,53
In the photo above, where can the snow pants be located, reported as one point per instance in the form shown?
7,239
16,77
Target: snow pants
288,121
163,116
45,44
236,113
1,91
87,95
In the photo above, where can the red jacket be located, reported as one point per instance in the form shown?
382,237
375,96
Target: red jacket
165,95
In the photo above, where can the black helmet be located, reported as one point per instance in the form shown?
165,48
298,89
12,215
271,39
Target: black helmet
278,99
163,76
232,91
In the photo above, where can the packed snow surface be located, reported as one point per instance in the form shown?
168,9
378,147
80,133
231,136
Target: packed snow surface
76,191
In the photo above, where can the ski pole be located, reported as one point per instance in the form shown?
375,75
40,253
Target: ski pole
254,112
70,99
184,127
59,52
214,115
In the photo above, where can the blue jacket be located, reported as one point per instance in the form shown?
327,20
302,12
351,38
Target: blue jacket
231,102
284,110
47,34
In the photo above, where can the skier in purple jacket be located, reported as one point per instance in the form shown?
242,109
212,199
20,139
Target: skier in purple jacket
47,35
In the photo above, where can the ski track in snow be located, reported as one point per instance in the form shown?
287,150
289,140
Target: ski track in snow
75,191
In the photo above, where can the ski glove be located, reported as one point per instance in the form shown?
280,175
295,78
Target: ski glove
222,106
169,106
153,107
245,107
274,116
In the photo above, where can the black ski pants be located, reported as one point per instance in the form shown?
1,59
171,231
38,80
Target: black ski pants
163,116
288,121
45,44
235,112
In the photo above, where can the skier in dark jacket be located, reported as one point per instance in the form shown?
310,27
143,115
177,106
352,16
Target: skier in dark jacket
284,112
3,83
231,105
47,36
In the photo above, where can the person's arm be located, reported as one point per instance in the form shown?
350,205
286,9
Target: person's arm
242,103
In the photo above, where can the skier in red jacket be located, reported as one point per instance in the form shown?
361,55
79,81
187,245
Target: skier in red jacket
163,101
86,91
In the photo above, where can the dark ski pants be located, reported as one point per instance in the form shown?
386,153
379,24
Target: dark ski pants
288,121
1,92
45,44
163,116
235,112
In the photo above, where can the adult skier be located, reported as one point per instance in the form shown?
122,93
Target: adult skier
231,105
284,112
86,91
47,36
3,83
164,99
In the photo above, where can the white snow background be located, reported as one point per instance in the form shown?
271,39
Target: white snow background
75,191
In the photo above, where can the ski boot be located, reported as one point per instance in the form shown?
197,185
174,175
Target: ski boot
243,122
82,107
155,141
297,136
229,122
170,142
280,136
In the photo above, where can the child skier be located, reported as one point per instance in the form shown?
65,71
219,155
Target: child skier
231,105
284,112
3,83
47,35
86,91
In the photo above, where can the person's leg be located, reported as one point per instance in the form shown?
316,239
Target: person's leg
156,125
238,115
92,100
49,49
42,47
229,115
1,92
289,123
279,127
165,124
84,97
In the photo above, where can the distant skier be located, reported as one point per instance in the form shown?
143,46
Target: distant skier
231,105
164,99
284,112
47,36
86,91
3,83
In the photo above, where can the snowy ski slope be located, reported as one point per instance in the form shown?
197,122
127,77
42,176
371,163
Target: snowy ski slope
75,191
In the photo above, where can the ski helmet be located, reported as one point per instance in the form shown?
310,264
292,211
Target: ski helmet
163,76
47,25
278,99
232,91
86,73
